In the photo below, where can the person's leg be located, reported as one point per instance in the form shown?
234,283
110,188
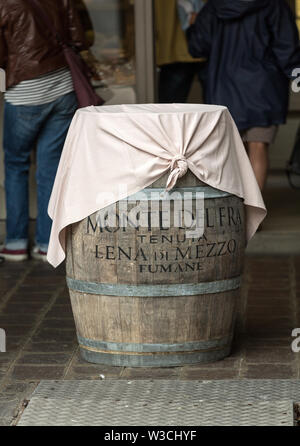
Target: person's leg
257,141
202,72
259,159
49,147
175,82
21,126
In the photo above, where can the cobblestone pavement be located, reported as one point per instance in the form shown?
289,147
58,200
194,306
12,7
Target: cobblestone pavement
36,313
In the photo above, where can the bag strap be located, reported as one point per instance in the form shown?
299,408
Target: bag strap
46,21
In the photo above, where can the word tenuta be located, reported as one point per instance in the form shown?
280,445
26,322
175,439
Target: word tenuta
212,217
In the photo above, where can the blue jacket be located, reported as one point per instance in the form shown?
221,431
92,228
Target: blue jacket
252,48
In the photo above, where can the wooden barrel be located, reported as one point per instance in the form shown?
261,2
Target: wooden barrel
151,296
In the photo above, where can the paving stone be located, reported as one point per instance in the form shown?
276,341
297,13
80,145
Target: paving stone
262,308
258,296
267,355
17,319
5,422
30,297
91,371
200,373
7,283
51,347
272,285
48,280
259,274
52,335
231,363
282,311
4,368
63,300
269,319
265,264
270,371
34,307
25,372
8,407
78,360
44,358
151,373
36,288
268,302
6,358
2,298
14,343
60,312
18,389
269,329
253,291
256,342
267,260
269,272
9,266
67,324
17,330
4,291
57,272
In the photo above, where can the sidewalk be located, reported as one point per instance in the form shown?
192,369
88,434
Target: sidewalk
41,339
281,228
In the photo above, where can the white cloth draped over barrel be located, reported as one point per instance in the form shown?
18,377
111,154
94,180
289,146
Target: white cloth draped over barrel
110,147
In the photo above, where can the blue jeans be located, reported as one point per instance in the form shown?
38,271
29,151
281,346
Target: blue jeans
25,127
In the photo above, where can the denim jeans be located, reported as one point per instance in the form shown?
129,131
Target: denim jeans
26,127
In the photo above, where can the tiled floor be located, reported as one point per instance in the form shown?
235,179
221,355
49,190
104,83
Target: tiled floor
41,340
281,228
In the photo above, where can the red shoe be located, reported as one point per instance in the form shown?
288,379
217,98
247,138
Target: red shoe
14,255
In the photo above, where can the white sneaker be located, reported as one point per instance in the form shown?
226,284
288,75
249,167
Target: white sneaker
13,255
38,254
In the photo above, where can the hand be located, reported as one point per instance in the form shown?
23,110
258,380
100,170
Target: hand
193,17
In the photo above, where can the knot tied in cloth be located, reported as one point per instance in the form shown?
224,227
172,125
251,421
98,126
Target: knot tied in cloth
179,168
204,138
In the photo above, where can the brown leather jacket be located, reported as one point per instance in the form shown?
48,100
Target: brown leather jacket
27,49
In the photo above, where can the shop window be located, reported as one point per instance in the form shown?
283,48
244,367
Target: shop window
109,26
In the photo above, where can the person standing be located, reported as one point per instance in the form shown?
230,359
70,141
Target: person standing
177,68
252,47
39,105
188,10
